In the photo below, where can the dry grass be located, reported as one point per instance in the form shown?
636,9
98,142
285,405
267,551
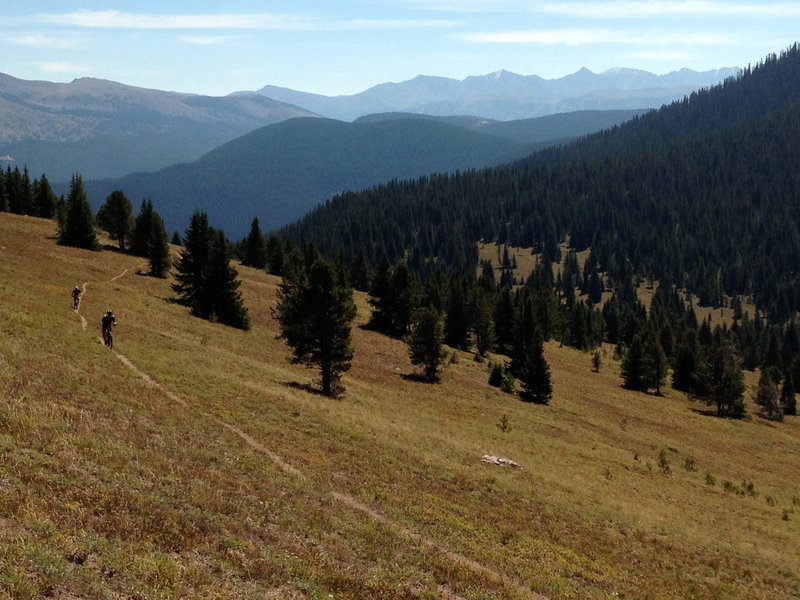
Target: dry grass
114,487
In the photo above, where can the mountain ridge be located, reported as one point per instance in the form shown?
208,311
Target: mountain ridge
503,95
102,128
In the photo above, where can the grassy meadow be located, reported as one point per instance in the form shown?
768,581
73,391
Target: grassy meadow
194,461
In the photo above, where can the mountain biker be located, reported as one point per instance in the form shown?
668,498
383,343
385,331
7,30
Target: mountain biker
76,297
107,323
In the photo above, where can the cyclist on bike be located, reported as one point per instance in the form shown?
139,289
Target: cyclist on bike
76,297
107,323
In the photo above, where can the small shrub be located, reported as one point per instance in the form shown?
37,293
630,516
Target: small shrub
710,481
508,383
771,501
689,464
749,489
506,536
663,463
505,424
500,377
496,371
785,516
731,487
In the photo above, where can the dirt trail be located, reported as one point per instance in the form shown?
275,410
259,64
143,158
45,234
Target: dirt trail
344,499
84,322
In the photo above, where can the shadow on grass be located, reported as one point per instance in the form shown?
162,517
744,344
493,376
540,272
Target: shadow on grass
306,387
416,378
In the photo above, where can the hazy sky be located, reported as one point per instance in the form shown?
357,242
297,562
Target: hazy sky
345,46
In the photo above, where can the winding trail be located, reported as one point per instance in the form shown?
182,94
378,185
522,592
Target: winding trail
344,499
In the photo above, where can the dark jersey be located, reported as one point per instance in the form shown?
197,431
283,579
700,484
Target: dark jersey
108,321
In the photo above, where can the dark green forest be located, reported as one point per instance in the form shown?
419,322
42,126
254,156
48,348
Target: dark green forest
702,194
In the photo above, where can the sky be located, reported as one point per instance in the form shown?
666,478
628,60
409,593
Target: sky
337,47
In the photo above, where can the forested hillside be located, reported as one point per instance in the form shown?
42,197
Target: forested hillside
701,194
280,172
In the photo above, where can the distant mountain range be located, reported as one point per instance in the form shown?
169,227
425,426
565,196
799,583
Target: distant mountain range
505,96
280,172
105,129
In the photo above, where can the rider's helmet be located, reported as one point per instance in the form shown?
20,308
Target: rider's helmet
109,313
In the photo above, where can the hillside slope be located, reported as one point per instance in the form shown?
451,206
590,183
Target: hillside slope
537,132
193,461
701,194
106,129
280,172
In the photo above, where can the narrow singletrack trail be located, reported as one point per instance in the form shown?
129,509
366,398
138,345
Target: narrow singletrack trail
84,322
342,498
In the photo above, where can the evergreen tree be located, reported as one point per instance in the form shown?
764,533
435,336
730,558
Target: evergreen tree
116,218
276,255
381,317
534,375
456,326
222,285
766,397
503,319
482,325
158,248
684,375
526,333
359,272
143,229
788,398
206,282
425,342
255,248
176,239
597,361
633,368
4,207
394,292
656,366
78,227
721,381
192,265
44,201
315,310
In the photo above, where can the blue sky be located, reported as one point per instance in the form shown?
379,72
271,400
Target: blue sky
345,46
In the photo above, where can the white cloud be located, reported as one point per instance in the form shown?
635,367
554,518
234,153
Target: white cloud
60,67
114,19
209,40
616,9
583,37
38,40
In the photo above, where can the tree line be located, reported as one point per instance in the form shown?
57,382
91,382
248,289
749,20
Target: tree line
488,310
205,280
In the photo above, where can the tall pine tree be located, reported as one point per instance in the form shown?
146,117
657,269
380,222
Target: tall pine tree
425,342
315,310
534,375
78,226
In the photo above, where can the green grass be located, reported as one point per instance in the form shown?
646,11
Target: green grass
109,488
